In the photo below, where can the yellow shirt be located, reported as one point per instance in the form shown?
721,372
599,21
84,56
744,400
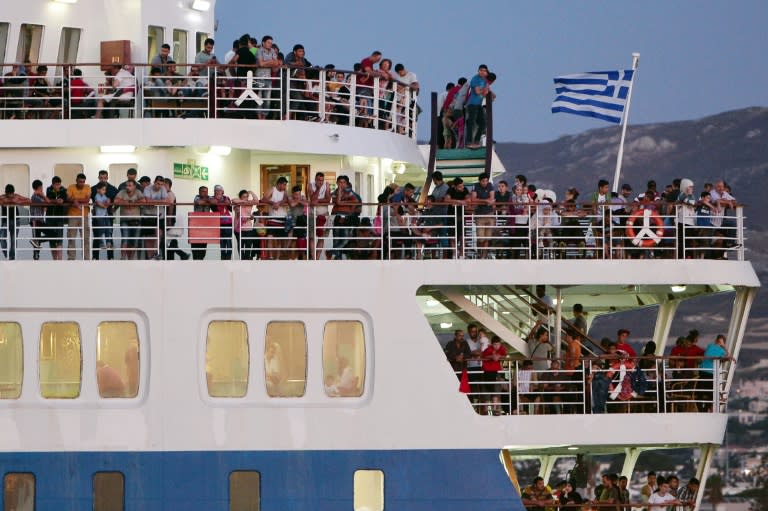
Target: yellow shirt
81,195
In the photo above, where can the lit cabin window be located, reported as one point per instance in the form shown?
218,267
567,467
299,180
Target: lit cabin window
4,29
369,490
11,360
68,45
285,359
60,360
226,359
155,39
344,358
30,38
179,47
200,38
244,490
117,359
19,491
108,491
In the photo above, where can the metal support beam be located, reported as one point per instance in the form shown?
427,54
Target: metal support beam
742,303
558,322
702,471
547,464
664,320
631,455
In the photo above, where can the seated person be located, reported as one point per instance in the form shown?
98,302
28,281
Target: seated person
118,92
366,244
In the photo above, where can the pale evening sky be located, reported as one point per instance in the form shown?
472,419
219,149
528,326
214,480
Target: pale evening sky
698,57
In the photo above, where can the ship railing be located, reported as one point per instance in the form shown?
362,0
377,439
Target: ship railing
210,90
601,385
402,231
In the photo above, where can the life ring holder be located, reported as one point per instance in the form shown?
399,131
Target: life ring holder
646,236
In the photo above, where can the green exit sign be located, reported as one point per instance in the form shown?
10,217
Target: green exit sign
190,171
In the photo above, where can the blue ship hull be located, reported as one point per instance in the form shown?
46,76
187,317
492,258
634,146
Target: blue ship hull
444,480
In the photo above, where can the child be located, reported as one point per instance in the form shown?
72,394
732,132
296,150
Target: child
101,220
704,224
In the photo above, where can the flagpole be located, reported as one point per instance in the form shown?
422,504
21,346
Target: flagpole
620,157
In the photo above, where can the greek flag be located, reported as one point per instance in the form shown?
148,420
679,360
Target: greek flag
600,94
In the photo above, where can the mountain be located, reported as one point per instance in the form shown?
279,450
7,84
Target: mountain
731,145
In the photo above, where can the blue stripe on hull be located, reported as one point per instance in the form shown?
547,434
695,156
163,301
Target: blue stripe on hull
290,480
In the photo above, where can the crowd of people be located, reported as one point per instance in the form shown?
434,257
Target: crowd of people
489,221
613,494
281,87
582,378
461,110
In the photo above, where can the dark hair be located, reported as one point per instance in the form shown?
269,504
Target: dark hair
36,184
168,181
502,182
296,188
55,179
409,186
375,53
209,41
100,185
462,80
399,67
166,46
155,71
103,172
449,86
539,478
522,179
482,176
281,179
266,38
132,171
482,66
457,181
160,178
77,72
80,176
602,183
437,175
9,188
298,47
236,43
491,77
244,40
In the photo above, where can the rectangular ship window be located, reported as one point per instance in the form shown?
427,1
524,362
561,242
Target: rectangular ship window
108,491
30,39
60,360
11,360
19,492
155,39
285,359
244,490
179,49
344,358
68,45
226,359
369,490
200,38
4,29
117,359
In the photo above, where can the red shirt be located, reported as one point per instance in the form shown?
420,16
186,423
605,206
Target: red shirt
364,78
489,364
626,348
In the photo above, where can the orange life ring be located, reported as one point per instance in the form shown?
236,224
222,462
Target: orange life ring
646,236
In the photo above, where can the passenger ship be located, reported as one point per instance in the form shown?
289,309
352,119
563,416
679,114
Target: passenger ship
248,383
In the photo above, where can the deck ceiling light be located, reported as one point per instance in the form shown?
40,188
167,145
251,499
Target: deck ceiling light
117,148
220,150
573,448
432,303
66,1
201,5
678,289
446,325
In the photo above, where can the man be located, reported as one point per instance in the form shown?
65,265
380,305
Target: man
9,229
365,82
130,175
537,496
688,494
243,57
153,218
624,494
202,203
55,216
483,195
205,56
622,345
319,199
170,221
37,215
229,57
407,78
649,487
477,344
439,211
346,211
277,200
457,351
609,493
297,58
478,88
714,351
160,60
128,200
579,321
111,193
266,59
79,195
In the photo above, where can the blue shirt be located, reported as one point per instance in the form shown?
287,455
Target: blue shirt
713,350
474,97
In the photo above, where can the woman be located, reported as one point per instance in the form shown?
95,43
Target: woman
492,357
223,206
569,498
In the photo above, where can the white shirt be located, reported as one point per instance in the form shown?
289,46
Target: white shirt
658,498
324,194
408,79
480,344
